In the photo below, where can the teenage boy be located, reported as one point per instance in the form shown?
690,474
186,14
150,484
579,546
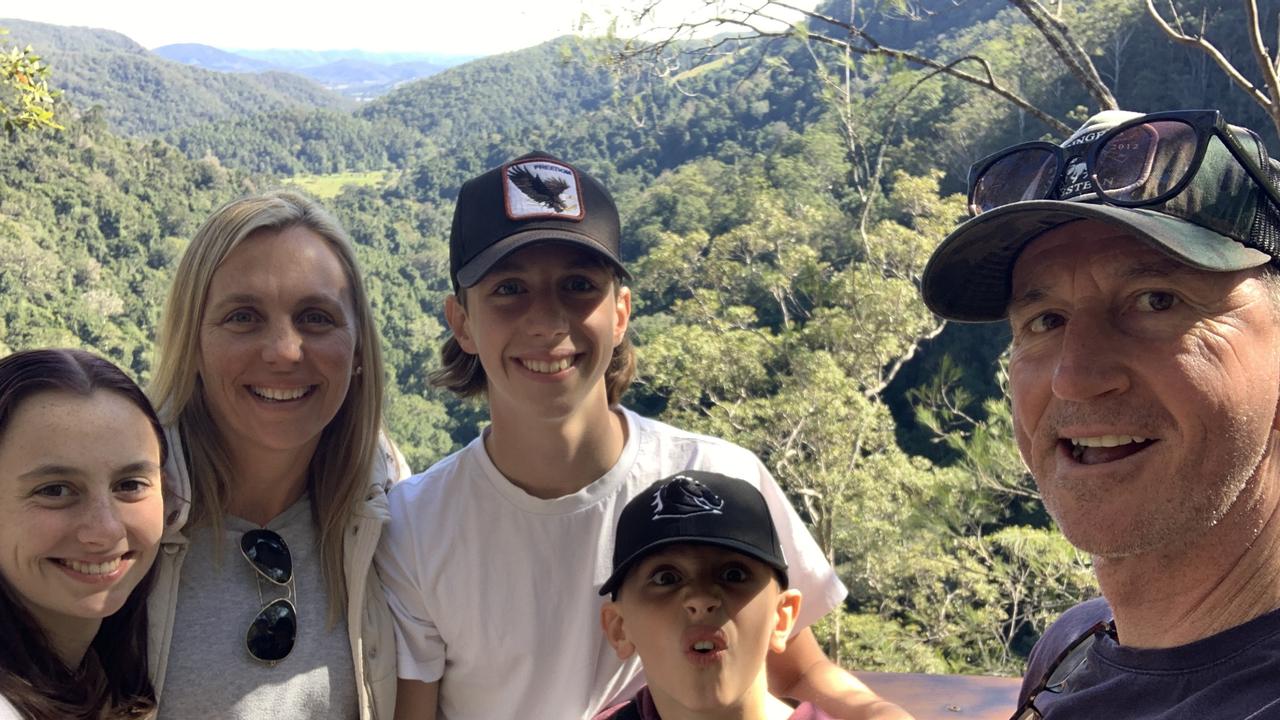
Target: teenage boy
491,553
699,592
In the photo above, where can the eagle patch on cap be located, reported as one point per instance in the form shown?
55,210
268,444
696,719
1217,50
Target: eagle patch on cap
683,496
541,188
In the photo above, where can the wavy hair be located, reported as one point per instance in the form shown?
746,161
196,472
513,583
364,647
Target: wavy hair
113,682
345,455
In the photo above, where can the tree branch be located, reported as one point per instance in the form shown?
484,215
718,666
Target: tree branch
1264,99
858,42
1058,35
1263,57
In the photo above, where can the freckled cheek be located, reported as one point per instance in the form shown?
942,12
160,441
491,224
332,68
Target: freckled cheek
336,352
145,520
10,551
220,357
28,539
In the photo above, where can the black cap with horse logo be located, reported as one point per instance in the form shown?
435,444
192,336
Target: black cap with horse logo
701,507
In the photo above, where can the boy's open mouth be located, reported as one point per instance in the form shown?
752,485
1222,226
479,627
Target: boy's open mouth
704,640
705,649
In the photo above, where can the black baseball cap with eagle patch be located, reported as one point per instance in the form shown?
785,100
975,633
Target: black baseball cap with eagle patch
535,198
695,506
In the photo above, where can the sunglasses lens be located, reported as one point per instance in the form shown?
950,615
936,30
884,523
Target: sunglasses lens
269,554
1074,660
1145,162
1025,174
270,637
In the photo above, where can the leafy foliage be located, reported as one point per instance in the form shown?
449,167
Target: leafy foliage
778,206
26,102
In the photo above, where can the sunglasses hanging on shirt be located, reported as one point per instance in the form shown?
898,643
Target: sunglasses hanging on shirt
274,629
1055,681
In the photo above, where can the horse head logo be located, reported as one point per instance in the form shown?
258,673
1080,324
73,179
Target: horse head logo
682,496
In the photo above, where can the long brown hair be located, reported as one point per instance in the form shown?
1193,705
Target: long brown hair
348,447
112,683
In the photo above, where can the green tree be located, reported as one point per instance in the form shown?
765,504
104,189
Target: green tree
26,102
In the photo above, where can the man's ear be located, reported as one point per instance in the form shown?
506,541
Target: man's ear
456,316
788,611
614,631
622,314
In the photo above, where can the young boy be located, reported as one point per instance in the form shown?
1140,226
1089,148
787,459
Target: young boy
699,592
490,554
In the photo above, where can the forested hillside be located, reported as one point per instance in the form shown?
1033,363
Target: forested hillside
777,213
140,93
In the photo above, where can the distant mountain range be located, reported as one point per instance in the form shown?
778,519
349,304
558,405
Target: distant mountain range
357,74
140,92
298,59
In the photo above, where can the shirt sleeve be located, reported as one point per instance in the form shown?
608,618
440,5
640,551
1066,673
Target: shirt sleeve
807,566
420,650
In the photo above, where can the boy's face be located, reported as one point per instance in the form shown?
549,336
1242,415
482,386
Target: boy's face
702,618
544,323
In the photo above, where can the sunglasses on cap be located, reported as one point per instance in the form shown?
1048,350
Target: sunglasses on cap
1144,161
271,634
1068,662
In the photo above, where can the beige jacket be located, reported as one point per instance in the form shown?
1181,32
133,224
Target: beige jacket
369,622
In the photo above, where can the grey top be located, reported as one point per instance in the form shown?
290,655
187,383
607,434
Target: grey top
212,675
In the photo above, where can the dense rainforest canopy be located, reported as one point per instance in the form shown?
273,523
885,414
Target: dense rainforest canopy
779,199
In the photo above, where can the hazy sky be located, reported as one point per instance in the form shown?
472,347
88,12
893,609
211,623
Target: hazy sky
455,27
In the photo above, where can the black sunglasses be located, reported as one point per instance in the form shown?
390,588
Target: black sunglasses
271,634
1071,659
1143,161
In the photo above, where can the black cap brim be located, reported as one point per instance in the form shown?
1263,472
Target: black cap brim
620,572
969,276
473,271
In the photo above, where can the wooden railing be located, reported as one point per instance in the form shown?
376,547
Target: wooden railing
947,697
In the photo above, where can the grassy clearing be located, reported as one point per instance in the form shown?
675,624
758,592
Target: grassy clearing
327,187
704,68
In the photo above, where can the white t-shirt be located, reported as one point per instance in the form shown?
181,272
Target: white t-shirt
494,591
7,710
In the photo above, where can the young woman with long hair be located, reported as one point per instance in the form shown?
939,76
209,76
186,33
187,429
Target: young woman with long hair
81,513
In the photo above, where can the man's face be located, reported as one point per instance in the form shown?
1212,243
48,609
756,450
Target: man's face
1144,391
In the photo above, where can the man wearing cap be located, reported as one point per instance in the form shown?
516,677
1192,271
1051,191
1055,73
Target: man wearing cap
493,556
1137,267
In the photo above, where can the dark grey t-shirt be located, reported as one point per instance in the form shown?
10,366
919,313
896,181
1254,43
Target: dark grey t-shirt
211,675
1234,675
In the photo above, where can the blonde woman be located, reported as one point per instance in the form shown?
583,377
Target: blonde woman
269,381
